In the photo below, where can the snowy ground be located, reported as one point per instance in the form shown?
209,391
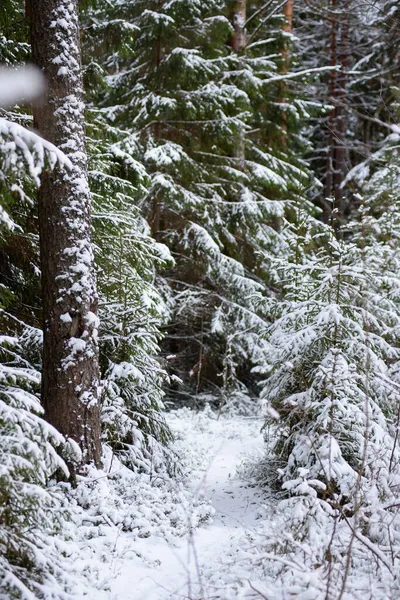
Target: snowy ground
166,567
212,533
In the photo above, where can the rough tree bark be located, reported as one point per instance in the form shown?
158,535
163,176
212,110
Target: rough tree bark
238,39
287,28
238,42
330,167
339,55
156,217
341,111
70,384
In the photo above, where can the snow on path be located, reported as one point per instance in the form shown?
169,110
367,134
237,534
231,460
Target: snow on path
185,568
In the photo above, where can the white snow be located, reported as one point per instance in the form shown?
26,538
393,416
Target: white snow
171,566
181,568
16,141
214,534
20,84
66,318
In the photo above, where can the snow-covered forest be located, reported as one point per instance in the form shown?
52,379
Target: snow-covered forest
199,299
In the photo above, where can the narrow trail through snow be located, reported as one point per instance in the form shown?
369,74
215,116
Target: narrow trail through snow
189,568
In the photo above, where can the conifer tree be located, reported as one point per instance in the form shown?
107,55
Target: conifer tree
130,313
71,378
28,510
332,391
334,340
358,41
131,308
189,99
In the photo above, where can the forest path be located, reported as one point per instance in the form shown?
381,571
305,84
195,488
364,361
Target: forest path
191,568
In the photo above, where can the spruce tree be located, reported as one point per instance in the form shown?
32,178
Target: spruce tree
71,378
130,314
28,508
332,393
131,308
333,341
191,101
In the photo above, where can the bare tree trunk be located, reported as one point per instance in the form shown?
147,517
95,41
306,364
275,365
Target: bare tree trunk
330,167
238,43
70,384
341,111
287,28
285,52
339,51
238,40
157,221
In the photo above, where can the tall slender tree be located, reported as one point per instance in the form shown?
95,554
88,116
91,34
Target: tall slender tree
238,39
70,382
360,42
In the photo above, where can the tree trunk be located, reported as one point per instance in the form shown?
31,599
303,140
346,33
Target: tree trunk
70,383
287,28
155,220
238,40
336,163
341,112
238,43
330,167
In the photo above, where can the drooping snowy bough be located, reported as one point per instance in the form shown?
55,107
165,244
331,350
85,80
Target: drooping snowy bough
28,508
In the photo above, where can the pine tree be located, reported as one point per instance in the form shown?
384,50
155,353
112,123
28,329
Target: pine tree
186,113
116,180
332,391
28,509
71,378
132,305
333,341
131,308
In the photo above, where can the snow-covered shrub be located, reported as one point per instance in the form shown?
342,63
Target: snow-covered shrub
131,309
304,549
331,344
132,312
132,419
334,399
23,156
29,509
143,503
